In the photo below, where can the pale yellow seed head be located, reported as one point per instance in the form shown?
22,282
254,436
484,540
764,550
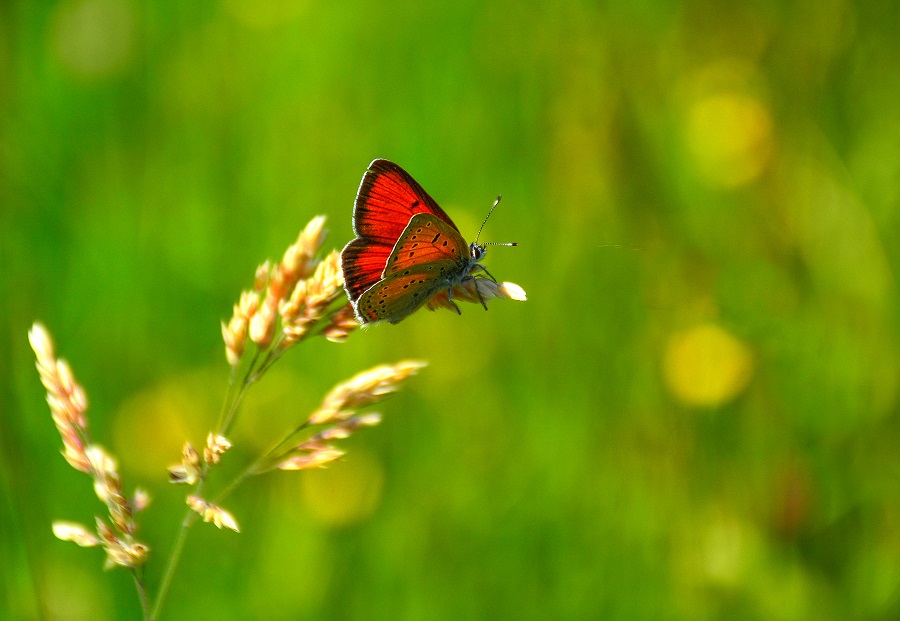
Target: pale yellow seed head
76,458
298,260
234,341
105,531
247,305
327,282
234,334
77,533
262,325
190,456
140,500
189,470
101,461
311,456
216,445
363,389
313,235
65,377
126,553
511,291
41,343
290,309
346,428
182,475
342,324
212,513
261,278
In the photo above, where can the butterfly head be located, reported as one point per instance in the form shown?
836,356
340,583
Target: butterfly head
477,251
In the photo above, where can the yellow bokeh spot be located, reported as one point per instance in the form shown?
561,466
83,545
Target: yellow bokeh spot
95,38
706,366
152,426
730,136
346,492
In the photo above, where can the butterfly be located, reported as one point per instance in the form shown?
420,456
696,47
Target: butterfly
406,250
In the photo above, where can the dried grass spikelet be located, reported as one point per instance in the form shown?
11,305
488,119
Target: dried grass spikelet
68,405
262,324
216,445
140,500
470,290
299,259
338,409
310,455
342,324
261,278
234,333
363,389
312,298
65,397
346,428
316,452
108,487
297,264
124,551
210,512
297,290
190,470
76,533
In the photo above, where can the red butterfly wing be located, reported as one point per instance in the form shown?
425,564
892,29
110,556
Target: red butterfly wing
397,297
363,263
428,241
388,198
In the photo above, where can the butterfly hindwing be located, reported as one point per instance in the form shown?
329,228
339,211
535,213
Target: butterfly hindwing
428,240
396,297
363,264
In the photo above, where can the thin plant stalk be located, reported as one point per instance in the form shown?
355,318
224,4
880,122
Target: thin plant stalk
230,407
138,575
174,557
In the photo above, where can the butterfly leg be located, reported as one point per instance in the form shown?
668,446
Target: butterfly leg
484,269
450,299
478,291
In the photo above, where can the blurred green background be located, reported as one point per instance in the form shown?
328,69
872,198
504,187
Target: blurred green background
695,414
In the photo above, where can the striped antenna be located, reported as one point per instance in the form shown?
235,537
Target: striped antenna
496,202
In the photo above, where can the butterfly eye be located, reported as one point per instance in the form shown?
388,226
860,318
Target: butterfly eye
477,251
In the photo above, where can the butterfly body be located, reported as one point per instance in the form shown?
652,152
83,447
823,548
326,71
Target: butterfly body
406,251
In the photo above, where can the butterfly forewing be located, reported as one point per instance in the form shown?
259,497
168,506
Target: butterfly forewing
428,244
388,197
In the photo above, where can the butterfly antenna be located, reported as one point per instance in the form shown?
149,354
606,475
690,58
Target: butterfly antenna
499,196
